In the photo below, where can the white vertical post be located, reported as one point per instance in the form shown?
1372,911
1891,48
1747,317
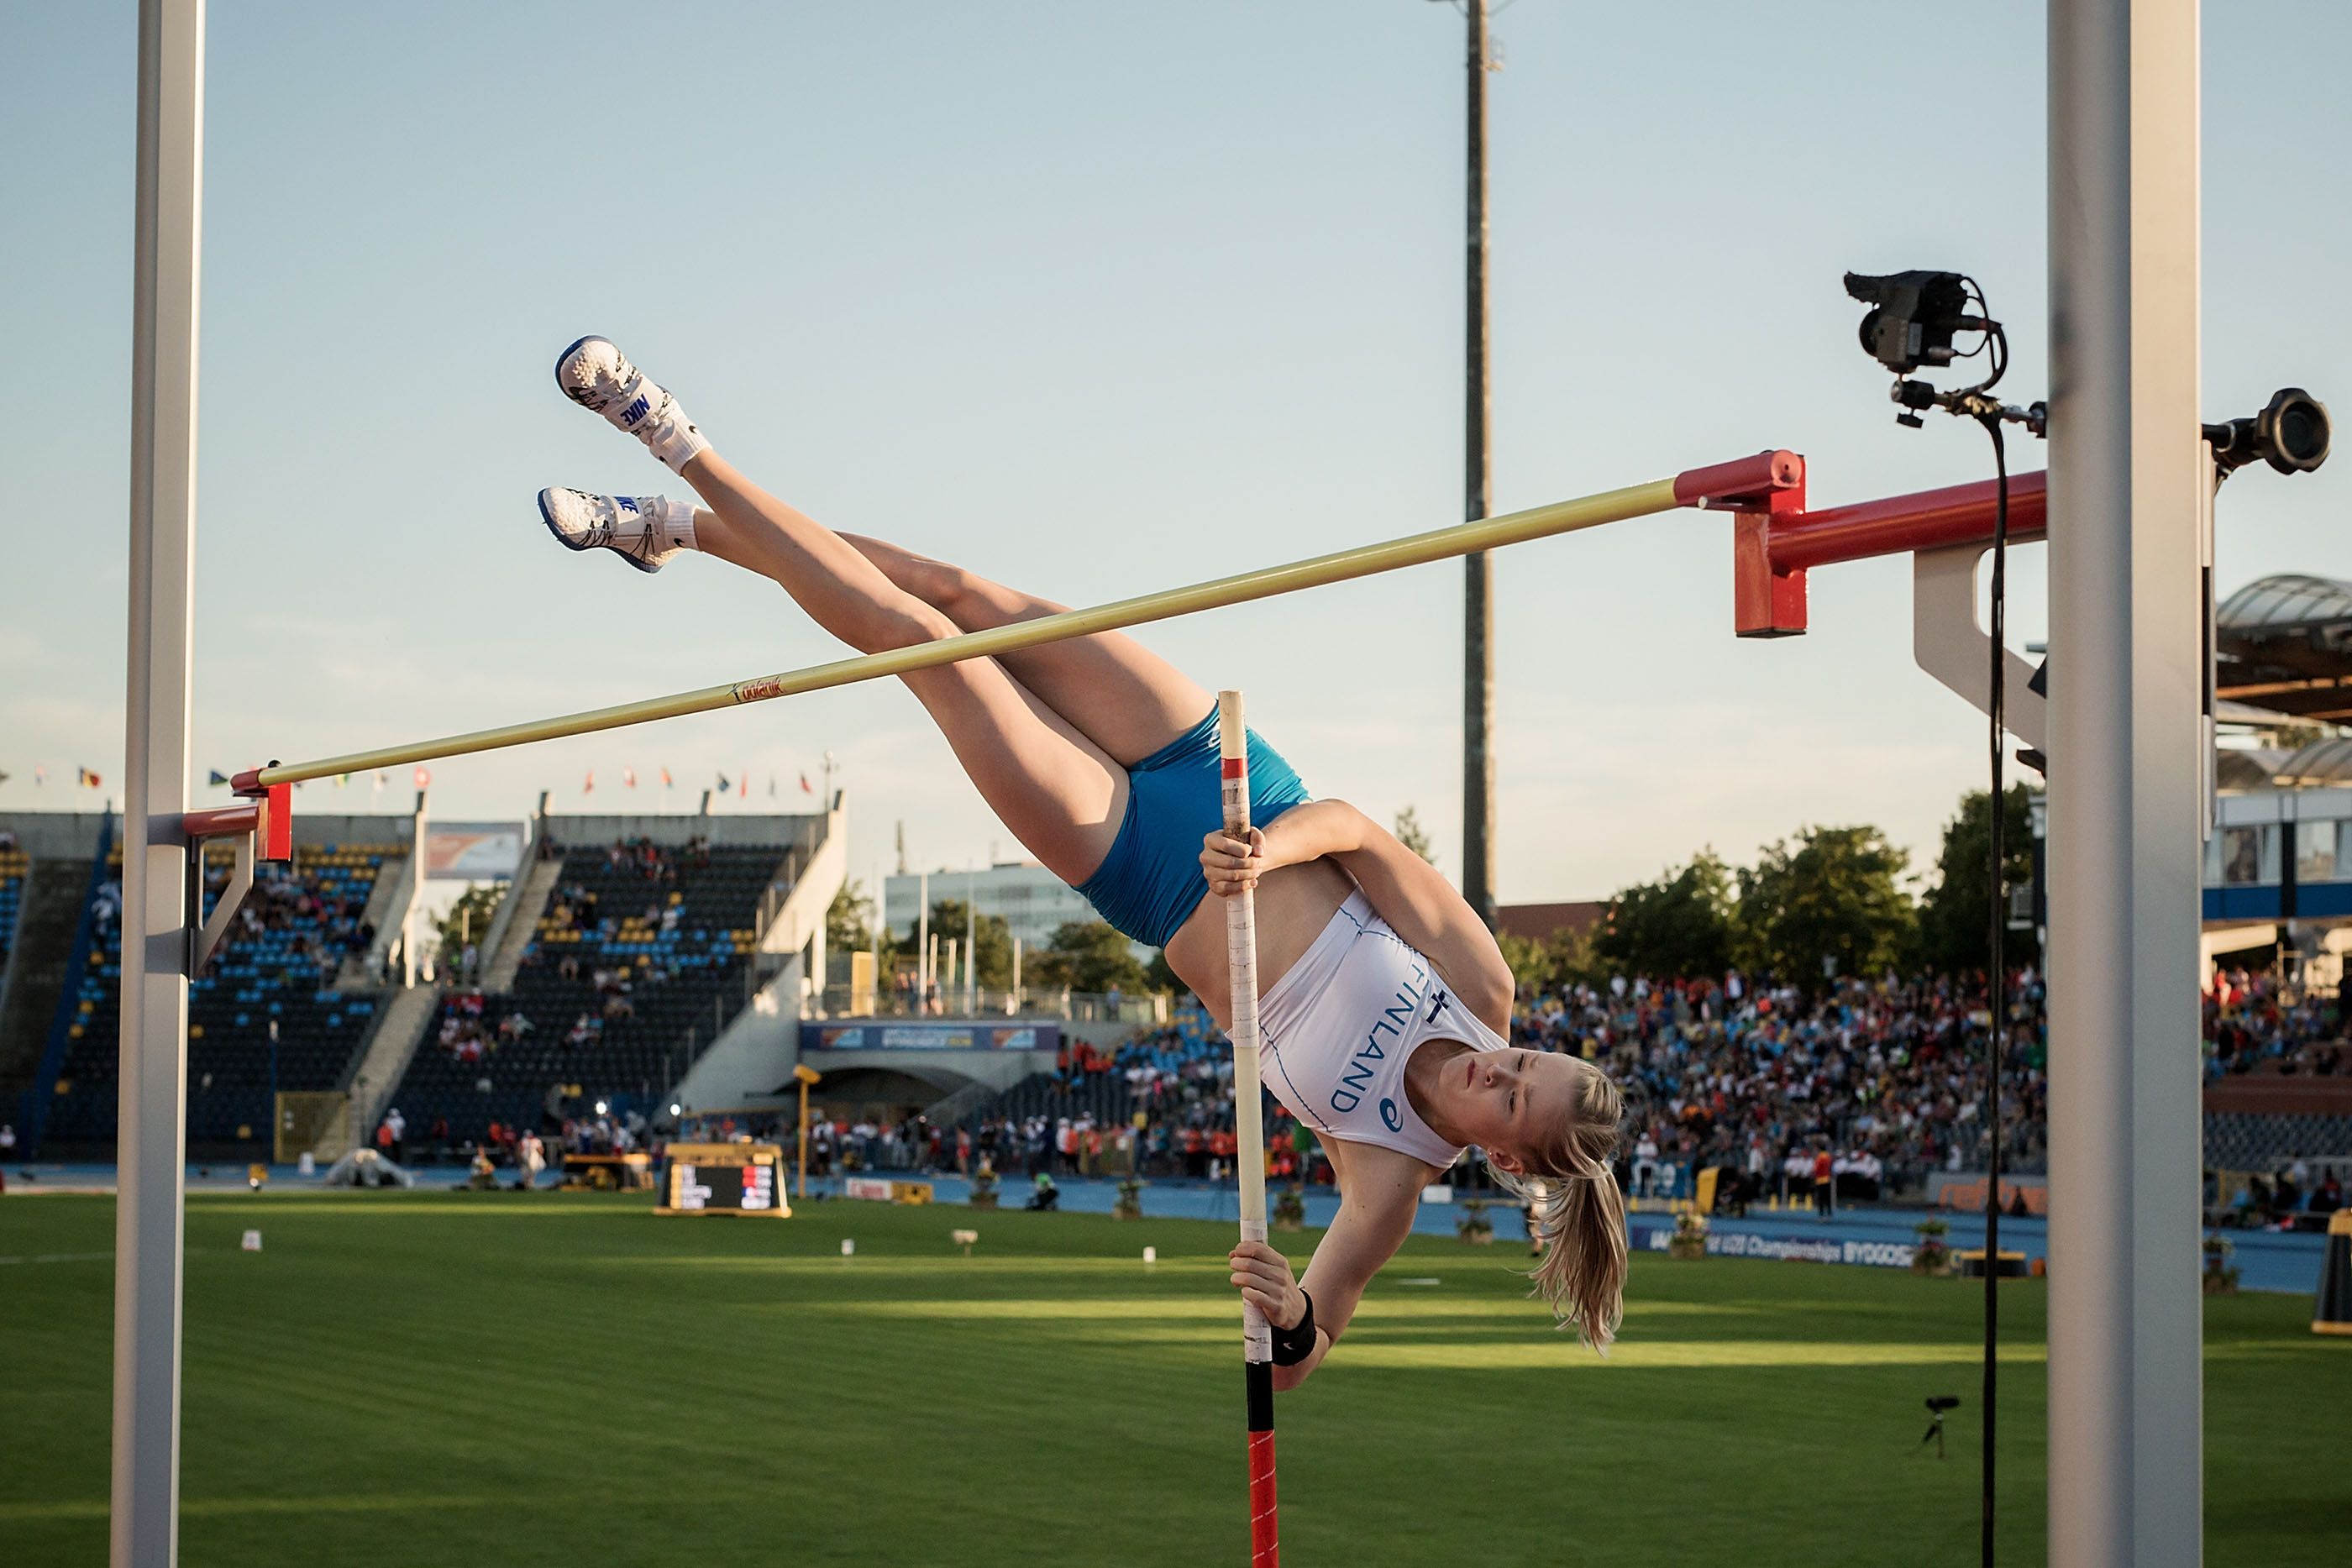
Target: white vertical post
156,884
2127,476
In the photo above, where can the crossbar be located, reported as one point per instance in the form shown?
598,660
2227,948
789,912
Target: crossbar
1340,566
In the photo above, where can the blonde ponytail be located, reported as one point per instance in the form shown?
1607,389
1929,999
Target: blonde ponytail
1577,1215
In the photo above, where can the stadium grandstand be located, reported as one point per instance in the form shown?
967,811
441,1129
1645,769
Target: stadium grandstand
644,938
643,954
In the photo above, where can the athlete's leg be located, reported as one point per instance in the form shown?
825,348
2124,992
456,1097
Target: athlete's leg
1125,698
1055,789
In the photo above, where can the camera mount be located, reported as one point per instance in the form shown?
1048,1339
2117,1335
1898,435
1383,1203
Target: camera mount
1938,1404
1912,321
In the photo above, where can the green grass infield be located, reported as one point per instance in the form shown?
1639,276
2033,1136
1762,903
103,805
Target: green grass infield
416,1380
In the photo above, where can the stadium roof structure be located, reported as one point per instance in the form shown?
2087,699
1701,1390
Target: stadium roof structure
2325,761
2242,771
2284,644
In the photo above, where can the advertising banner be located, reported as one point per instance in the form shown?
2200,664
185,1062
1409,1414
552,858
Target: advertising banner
473,852
1653,1237
930,1034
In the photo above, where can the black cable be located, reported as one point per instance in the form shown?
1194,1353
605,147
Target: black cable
1996,979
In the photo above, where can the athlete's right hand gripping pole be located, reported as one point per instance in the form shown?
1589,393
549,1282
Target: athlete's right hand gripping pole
1249,1134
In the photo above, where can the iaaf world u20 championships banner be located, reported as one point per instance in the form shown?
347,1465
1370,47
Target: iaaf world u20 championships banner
944,1034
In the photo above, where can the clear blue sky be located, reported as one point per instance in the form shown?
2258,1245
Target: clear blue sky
1097,298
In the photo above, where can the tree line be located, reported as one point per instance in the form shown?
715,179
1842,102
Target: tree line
1822,903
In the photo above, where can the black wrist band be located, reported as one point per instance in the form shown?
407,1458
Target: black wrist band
1294,1345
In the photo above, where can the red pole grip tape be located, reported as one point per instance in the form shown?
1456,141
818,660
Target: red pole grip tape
1265,1549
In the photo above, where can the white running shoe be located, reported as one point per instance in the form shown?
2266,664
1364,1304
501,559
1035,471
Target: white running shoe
596,375
644,530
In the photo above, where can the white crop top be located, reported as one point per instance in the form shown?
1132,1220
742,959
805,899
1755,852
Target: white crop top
1339,1028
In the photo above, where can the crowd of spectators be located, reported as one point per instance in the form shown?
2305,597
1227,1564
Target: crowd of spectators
2254,1025
1879,1082
468,1032
1863,1088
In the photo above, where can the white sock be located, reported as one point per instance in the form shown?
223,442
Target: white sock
672,437
676,519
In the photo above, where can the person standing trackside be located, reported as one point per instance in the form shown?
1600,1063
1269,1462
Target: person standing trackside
1824,1185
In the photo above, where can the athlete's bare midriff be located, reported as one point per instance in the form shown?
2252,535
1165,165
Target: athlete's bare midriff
1294,903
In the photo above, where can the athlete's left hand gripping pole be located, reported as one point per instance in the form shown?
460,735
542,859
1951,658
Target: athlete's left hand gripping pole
1249,1134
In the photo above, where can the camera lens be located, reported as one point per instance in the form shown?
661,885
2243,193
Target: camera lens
2293,432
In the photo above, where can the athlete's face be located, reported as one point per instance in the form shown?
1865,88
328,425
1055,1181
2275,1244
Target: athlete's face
1513,1103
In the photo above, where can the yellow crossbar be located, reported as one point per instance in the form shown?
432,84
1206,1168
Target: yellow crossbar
1340,566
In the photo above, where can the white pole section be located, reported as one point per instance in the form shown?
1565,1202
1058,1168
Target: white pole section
157,897
1249,1132
2127,474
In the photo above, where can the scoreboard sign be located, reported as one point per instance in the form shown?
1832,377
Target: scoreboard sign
723,1179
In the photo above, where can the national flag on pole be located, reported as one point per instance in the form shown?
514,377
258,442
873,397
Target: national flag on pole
666,778
40,775
85,777
629,778
216,778
381,780
747,784
771,786
588,785
806,788
726,785
424,777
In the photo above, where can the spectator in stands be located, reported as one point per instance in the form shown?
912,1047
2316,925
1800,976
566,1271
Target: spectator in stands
8,1129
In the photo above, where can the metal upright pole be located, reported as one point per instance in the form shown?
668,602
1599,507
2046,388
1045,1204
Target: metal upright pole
1478,571
159,886
2127,471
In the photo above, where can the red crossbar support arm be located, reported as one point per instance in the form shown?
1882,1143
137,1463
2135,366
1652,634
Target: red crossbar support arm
1743,482
1762,491
1772,551
269,816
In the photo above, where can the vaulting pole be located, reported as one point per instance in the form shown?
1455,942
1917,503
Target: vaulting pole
1249,1136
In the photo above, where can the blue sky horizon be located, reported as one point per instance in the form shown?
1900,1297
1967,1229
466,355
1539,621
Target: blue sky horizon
1096,300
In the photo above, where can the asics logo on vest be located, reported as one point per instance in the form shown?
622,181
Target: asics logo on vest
1357,1078
1390,1117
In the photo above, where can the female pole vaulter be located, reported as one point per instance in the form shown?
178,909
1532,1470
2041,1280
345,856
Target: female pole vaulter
1386,1008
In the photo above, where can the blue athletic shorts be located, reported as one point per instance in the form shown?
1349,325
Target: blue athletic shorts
1151,882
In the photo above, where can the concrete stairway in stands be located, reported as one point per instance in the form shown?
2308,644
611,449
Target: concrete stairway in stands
531,895
389,896
36,970
405,1019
